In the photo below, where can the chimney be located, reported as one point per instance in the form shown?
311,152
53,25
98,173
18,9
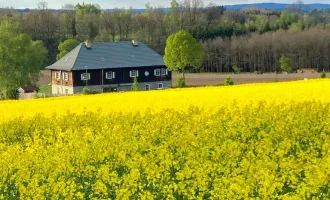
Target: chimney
135,43
88,45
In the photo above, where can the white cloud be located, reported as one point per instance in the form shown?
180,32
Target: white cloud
56,4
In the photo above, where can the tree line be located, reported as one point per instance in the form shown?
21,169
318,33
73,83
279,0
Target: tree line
224,33
262,52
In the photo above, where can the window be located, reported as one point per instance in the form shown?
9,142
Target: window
65,76
157,72
58,90
85,76
66,91
58,75
163,72
110,75
160,85
147,87
134,73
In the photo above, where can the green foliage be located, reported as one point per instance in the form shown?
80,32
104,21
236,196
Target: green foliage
236,69
35,95
229,81
46,89
86,91
286,64
135,86
21,58
66,46
87,9
181,82
323,75
183,51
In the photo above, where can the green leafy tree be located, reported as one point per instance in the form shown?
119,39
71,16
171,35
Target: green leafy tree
66,46
135,86
21,58
183,51
286,64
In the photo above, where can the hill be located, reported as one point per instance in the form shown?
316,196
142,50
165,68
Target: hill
276,6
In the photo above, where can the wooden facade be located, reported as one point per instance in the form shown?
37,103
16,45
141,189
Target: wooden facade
122,76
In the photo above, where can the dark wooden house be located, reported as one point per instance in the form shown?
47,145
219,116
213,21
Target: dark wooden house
109,66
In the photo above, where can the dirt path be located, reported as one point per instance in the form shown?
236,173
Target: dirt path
218,79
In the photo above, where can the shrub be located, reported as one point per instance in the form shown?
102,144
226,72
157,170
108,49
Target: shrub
236,69
229,81
86,91
135,86
181,83
35,95
323,75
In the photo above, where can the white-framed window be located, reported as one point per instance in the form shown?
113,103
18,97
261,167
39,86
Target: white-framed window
110,75
147,87
133,73
160,85
58,75
163,71
157,72
65,76
85,76
66,91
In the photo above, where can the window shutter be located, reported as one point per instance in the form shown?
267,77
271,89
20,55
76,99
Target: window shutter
106,75
166,72
89,76
137,73
155,72
113,75
130,73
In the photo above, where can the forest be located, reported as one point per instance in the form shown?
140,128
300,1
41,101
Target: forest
250,39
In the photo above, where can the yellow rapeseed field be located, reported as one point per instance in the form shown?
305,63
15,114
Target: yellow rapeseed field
254,141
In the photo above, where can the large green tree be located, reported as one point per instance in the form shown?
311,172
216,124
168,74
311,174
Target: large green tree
21,59
66,46
182,51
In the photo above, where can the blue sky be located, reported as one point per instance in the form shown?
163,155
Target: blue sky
127,3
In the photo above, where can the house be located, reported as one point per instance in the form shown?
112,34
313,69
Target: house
28,89
26,92
109,66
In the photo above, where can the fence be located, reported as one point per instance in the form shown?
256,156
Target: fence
33,95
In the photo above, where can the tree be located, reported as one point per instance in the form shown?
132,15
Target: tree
135,86
43,24
21,59
286,64
183,51
66,46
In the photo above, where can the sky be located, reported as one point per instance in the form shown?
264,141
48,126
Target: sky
56,4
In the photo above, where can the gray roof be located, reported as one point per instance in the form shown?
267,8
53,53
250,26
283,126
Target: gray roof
108,55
